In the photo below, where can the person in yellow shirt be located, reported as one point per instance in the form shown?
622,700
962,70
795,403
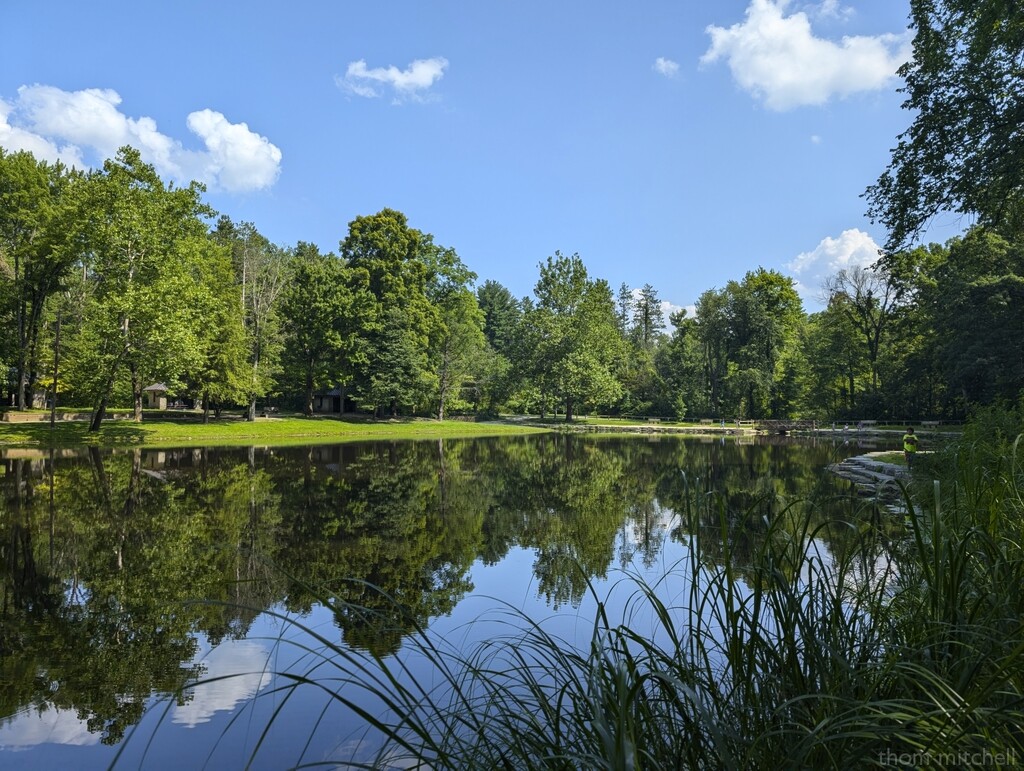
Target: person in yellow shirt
909,446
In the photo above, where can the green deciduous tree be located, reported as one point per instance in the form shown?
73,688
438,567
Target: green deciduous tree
964,151
765,314
457,342
574,339
320,310
221,373
261,270
867,298
36,252
714,335
835,359
141,321
977,308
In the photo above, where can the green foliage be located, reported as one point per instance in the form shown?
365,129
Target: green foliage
261,271
502,315
401,320
648,318
142,317
457,342
38,247
963,151
571,342
321,308
977,307
220,374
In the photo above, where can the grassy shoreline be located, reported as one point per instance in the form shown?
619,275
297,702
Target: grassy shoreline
276,431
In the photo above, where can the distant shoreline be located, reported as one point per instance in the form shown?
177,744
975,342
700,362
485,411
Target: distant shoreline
275,431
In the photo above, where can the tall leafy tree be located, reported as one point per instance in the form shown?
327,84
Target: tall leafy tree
679,364
642,384
503,328
765,312
867,298
261,269
36,252
402,317
320,309
578,339
835,358
140,320
964,151
714,335
221,373
977,308
457,343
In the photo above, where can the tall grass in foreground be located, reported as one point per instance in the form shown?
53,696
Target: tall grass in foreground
780,656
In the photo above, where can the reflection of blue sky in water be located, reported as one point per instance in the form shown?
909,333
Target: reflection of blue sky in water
238,669
30,728
235,671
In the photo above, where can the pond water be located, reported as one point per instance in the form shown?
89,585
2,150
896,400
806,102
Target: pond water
129,575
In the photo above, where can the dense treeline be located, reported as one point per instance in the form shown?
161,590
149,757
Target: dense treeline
113,280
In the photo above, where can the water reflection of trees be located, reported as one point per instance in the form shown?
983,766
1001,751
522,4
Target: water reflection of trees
112,562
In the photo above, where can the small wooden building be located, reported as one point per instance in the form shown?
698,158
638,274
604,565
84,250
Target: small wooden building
335,401
155,396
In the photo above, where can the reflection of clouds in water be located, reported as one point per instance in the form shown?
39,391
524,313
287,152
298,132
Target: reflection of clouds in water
244,667
53,726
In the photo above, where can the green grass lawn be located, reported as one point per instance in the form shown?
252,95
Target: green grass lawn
594,421
895,457
233,431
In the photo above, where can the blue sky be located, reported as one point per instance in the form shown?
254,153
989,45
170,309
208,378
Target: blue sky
676,143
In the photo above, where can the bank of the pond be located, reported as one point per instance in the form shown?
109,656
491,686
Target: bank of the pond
879,476
625,427
278,431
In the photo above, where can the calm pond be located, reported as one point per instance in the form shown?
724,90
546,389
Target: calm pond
129,575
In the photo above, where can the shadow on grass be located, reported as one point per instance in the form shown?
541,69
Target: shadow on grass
75,434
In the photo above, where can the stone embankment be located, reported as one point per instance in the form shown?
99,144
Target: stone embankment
874,479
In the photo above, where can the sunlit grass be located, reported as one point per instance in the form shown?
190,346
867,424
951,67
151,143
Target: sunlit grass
277,431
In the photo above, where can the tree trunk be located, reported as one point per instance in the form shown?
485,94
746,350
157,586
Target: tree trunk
98,414
568,410
100,411
206,407
136,395
250,413
56,363
309,392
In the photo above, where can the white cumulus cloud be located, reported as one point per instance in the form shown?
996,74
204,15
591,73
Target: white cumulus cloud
15,138
853,248
411,83
238,158
777,58
80,127
666,67
831,9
